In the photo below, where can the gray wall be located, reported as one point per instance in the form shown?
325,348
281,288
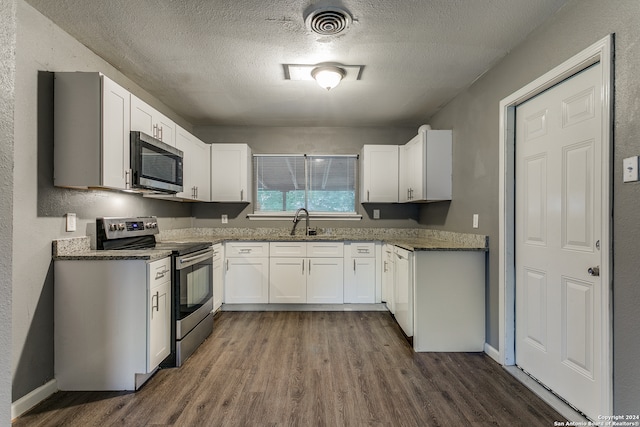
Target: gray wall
7,99
39,208
308,140
474,116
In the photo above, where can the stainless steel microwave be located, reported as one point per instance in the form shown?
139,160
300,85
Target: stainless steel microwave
155,166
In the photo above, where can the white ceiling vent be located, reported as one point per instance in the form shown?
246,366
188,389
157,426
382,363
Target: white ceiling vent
328,21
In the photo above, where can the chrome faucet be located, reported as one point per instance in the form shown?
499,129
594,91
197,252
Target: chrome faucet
296,218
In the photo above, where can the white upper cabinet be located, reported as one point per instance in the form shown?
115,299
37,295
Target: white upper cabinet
147,119
195,167
379,174
230,173
426,167
91,131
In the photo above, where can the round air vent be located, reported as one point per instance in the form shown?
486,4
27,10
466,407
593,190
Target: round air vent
328,21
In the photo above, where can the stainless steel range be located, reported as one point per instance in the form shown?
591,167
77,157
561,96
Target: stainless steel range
192,280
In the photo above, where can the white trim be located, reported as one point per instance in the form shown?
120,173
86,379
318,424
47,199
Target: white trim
601,51
492,352
34,397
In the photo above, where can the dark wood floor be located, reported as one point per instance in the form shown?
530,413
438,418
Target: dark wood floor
309,369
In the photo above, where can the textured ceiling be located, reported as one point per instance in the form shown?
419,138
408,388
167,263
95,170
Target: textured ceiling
220,62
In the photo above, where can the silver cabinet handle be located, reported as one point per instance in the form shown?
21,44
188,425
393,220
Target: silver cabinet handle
242,195
309,266
367,195
594,271
354,265
127,179
303,267
157,304
227,265
155,131
161,274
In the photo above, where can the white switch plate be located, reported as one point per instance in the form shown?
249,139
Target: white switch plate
475,220
71,222
225,218
630,166
376,214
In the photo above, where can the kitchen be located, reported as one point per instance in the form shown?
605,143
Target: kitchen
38,208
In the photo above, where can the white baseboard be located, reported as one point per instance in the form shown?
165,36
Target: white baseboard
492,352
31,399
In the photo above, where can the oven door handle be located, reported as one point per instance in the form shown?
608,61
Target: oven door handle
197,258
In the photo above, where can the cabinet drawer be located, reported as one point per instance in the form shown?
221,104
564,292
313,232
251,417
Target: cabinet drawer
288,249
246,249
217,252
363,249
325,249
159,272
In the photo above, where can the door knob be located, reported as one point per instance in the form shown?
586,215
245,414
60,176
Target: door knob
594,271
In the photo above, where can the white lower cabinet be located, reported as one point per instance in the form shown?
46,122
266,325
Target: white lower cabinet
324,282
360,272
403,293
111,322
302,272
388,276
246,273
218,275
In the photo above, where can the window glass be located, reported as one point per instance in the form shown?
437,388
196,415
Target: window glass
318,183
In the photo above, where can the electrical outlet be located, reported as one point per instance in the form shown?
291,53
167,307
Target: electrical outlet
225,218
475,220
71,222
376,214
630,166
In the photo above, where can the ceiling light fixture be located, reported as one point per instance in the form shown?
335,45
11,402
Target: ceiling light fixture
328,77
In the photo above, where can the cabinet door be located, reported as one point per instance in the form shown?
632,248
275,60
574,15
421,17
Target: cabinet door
246,280
141,116
403,300
325,281
230,169
380,173
201,174
145,118
388,277
159,317
360,281
412,169
115,134
218,277
184,142
287,280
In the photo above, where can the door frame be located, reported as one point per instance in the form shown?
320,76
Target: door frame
602,52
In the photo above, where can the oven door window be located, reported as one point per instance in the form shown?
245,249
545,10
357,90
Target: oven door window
195,287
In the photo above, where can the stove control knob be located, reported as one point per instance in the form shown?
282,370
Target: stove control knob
121,226
113,227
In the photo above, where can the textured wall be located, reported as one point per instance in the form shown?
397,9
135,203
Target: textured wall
474,117
7,78
38,210
308,140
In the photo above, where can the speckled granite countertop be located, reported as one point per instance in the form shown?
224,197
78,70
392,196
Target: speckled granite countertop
411,239
79,248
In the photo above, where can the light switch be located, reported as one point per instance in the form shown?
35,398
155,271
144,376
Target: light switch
225,218
475,220
71,222
630,166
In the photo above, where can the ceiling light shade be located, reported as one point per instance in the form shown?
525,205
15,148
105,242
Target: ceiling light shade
328,77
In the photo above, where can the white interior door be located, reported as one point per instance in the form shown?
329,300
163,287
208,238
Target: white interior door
557,231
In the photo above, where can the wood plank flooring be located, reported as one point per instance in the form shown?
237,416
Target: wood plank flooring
309,369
